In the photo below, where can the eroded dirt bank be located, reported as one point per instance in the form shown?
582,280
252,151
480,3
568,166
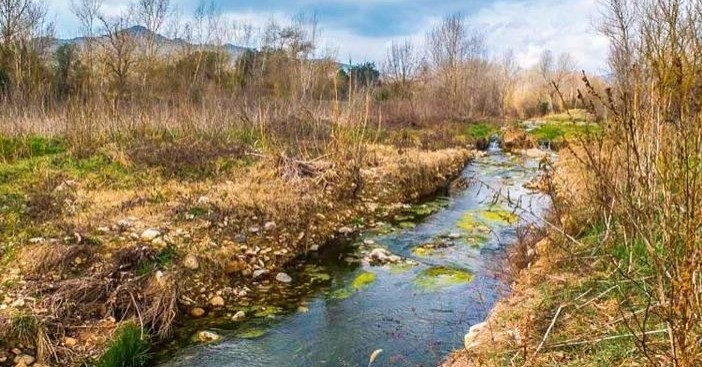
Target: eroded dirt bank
168,249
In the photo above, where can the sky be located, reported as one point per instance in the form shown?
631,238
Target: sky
362,30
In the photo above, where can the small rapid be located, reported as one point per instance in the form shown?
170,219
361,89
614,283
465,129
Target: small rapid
416,310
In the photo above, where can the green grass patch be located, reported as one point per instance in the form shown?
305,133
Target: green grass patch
481,131
559,131
14,148
129,347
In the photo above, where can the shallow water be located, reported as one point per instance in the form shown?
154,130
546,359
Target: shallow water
416,314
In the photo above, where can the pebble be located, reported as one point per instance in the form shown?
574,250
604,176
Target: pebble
314,248
207,336
269,226
283,278
24,359
239,316
70,342
217,301
259,272
197,312
345,231
454,236
149,235
191,262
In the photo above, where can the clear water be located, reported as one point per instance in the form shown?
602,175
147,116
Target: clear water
414,325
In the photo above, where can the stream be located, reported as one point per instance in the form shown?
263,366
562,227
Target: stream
339,308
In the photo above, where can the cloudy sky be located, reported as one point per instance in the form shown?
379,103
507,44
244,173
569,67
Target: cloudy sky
361,30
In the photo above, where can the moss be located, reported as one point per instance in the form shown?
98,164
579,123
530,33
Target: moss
363,280
129,347
439,277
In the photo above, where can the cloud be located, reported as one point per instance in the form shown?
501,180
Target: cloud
530,27
362,29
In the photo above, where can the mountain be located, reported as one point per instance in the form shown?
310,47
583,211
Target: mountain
167,45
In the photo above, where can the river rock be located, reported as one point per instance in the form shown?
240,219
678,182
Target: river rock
283,278
149,235
259,273
454,235
207,336
217,301
197,312
345,231
239,316
381,256
191,262
314,248
469,341
269,226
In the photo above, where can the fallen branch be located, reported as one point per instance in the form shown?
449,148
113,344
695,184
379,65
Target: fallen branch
548,331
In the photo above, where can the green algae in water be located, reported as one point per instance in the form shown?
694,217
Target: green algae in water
440,277
406,225
423,251
499,215
251,333
468,222
477,240
363,280
268,311
401,268
342,293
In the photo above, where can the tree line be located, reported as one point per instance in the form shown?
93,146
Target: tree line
148,55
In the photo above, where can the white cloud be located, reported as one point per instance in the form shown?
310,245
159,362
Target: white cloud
526,27
530,27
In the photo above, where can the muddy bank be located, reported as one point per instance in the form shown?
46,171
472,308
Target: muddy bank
153,254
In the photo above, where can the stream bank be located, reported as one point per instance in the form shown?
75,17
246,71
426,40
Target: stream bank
411,289
154,253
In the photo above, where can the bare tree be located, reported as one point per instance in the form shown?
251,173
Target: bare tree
152,14
456,53
22,28
119,55
401,65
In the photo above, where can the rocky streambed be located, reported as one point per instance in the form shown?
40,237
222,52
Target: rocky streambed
411,288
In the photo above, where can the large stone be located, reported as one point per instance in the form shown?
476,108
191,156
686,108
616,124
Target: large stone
191,262
469,341
283,278
207,336
149,235
240,315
